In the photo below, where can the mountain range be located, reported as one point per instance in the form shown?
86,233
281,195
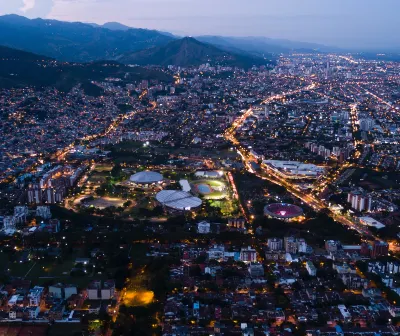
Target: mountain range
189,52
20,69
258,45
85,42
74,41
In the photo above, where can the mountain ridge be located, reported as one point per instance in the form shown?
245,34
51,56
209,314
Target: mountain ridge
74,41
21,69
188,52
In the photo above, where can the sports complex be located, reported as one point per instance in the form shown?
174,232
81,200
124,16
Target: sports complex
209,189
283,211
178,200
146,177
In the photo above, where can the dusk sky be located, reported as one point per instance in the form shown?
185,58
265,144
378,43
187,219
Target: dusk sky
343,23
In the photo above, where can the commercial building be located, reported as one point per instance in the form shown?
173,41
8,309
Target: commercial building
369,221
294,169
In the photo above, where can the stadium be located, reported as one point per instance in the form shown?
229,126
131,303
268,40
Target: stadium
283,211
209,189
146,177
178,200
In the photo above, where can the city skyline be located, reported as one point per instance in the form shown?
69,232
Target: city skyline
357,24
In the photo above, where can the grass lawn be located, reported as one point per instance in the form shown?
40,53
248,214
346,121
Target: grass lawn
372,179
61,329
103,167
42,272
212,183
216,195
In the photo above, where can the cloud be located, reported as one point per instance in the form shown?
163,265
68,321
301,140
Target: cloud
28,5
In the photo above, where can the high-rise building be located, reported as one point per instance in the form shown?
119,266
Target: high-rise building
50,195
379,249
237,223
366,124
275,244
20,213
248,254
327,70
360,201
301,245
43,211
35,195
9,223
290,245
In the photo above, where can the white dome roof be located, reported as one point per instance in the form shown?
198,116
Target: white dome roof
146,177
179,200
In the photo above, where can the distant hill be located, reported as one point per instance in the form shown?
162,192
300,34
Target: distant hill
74,41
85,42
115,26
7,54
21,69
258,45
120,26
188,52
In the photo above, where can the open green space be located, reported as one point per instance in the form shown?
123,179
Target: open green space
372,180
103,167
50,271
212,183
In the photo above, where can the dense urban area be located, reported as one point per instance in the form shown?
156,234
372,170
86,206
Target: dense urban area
211,200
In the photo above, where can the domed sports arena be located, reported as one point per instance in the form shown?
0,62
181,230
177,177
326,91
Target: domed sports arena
146,177
283,210
178,200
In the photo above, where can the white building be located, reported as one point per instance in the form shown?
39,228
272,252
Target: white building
360,201
20,213
369,221
14,300
185,185
366,124
301,245
294,169
248,254
33,312
256,270
35,295
275,244
203,227
98,291
9,223
43,211
208,174
61,291
311,268
345,313
216,252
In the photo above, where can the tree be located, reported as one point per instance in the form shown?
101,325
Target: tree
116,170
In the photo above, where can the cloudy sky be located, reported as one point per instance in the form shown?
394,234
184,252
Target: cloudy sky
344,23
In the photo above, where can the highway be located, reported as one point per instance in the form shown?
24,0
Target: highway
308,199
